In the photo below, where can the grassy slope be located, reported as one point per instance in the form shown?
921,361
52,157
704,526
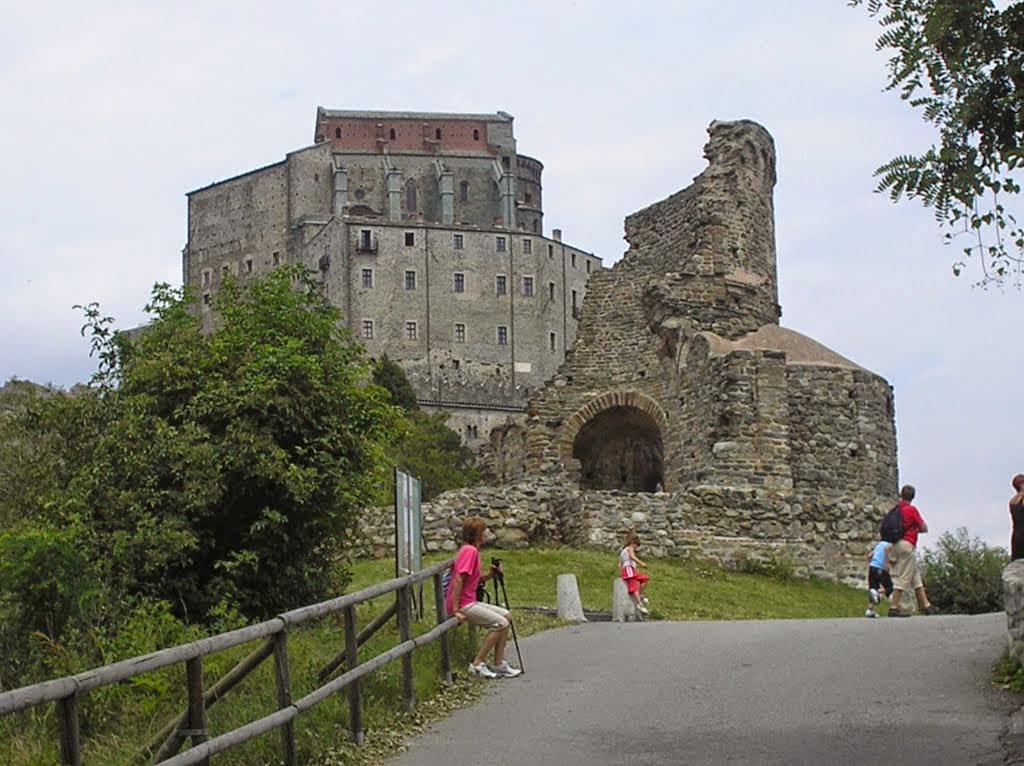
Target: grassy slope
119,719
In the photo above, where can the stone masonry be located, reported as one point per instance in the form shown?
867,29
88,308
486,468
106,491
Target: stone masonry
684,410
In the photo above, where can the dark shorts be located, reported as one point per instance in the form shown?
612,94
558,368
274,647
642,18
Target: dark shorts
879,579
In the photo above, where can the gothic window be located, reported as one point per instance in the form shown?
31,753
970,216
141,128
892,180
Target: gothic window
391,134
410,196
437,134
476,135
464,191
337,132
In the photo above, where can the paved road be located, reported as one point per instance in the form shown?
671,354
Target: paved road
852,691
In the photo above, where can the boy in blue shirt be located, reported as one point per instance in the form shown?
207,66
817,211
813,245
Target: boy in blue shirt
879,579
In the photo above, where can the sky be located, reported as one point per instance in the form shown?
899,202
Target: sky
112,111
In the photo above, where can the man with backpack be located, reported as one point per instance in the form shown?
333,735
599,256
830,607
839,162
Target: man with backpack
904,557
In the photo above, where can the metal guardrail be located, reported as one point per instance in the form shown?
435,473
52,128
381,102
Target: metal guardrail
65,692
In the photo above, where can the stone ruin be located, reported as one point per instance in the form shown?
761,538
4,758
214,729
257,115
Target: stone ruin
684,410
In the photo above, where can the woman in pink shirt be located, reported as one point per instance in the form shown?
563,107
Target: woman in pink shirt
461,602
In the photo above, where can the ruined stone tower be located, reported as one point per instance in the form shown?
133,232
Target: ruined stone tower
683,408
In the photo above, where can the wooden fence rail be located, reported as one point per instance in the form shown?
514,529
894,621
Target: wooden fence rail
66,692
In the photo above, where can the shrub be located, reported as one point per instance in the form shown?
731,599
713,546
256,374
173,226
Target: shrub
963,575
773,566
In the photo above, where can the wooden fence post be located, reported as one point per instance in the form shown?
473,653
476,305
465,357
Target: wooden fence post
70,740
442,615
404,634
355,710
283,679
196,704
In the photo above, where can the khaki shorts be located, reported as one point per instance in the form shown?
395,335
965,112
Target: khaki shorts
490,616
905,575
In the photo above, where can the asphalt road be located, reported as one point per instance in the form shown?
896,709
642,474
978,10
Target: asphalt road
843,691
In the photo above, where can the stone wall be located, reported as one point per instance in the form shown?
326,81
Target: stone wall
1013,599
828,536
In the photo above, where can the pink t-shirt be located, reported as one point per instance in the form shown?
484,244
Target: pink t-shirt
467,562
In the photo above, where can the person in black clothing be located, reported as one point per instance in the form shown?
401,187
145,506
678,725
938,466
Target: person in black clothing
1017,517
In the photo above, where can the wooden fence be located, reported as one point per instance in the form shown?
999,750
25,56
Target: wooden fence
66,692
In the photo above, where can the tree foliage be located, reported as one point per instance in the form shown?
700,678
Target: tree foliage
423,444
963,575
962,63
217,471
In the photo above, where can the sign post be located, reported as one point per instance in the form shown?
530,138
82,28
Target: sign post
408,530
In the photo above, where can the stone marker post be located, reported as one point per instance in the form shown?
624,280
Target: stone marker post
623,608
570,606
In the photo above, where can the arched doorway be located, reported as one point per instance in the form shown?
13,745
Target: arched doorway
620,448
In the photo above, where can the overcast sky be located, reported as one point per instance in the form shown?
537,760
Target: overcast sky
113,110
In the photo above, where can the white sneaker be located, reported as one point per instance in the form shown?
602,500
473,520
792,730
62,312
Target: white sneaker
873,594
643,610
504,669
870,613
481,670
645,600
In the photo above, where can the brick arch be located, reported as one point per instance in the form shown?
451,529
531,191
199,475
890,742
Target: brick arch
606,401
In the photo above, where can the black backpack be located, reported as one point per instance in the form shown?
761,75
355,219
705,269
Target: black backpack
891,529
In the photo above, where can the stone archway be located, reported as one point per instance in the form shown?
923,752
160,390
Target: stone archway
615,442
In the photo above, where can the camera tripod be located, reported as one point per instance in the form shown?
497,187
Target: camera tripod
499,579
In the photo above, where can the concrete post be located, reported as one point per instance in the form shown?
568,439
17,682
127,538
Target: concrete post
623,608
570,606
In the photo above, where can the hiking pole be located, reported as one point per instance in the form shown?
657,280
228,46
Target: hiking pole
499,579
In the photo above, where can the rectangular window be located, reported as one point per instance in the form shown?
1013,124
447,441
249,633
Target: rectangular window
410,280
502,335
551,251
552,340
575,305
367,278
588,266
527,245
460,334
455,364
457,241
410,330
499,244
551,291
528,286
367,328
206,299
410,238
460,282
500,286
248,265
574,260
206,278
365,244
275,259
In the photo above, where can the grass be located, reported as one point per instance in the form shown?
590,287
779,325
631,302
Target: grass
118,720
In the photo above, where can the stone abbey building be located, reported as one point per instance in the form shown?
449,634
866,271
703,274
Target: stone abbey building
428,231
684,410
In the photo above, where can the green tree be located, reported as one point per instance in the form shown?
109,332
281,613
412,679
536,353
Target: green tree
228,466
963,575
423,444
962,63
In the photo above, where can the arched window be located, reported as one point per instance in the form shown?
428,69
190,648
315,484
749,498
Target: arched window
464,191
476,135
437,134
391,134
337,132
410,196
